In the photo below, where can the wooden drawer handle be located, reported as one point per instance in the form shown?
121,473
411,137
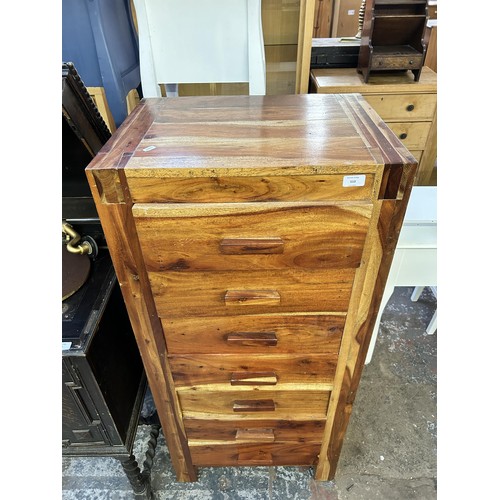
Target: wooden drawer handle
252,339
249,246
254,405
258,435
252,298
254,378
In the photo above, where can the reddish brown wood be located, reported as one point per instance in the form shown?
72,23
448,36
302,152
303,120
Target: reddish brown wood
245,246
254,378
253,405
252,339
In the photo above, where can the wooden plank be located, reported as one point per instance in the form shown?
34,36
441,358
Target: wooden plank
255,454
323,12
241,189
192,238
180,294
309,431
207,369
428,160
288,405
254,334
98,94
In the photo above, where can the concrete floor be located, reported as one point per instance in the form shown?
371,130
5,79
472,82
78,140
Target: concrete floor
389,450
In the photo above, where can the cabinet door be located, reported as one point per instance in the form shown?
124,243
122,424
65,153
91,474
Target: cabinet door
81,424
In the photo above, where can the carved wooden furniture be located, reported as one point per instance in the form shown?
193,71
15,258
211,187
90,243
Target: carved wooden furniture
408,107
103,379
394,37
252,237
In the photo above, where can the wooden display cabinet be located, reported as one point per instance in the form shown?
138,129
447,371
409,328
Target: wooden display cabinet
394,37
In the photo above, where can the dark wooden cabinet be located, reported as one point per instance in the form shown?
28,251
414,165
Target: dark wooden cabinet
102,374
394,37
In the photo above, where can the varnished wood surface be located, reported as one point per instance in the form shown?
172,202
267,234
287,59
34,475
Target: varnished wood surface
155,189
259,454
306,431
316,318
206,369
288,405
294,333
183,294
196,237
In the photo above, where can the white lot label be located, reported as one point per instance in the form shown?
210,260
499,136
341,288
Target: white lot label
351,12
354,180
66,346
149,148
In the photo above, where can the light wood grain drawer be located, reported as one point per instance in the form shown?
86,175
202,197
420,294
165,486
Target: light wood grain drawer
226,371
250,236
399,107
254,454
247,188
252,403
251,429
254,334
179,294
412,134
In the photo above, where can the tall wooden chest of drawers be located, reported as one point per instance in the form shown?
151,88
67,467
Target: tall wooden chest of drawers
252,237
407,106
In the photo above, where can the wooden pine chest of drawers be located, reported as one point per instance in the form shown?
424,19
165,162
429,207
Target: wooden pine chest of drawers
408,107
252,237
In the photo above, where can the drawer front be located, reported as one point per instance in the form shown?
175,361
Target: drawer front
258,454
179,294
412,134
244,404
254,334
402,107
229,370
241,237
396,62
243,189
308,431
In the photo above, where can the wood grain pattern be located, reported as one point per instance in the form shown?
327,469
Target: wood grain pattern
241,189
251,246
203,369
225,165
288,405
294,333
251,298
188,237
407,107
255,454
305,431
193,294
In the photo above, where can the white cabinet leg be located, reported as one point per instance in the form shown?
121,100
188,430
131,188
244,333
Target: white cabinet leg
385,298
432,326
416,293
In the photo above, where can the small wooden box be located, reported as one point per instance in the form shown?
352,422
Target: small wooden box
252,237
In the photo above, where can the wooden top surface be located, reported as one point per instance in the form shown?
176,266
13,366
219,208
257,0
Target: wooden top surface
348,80
299,133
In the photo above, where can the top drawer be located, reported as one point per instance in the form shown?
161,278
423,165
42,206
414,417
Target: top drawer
397,107
358,186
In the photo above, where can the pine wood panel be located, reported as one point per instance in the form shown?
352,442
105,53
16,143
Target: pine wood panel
199,237
203,293
412,134
207,369
244,189
407,107
294,333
